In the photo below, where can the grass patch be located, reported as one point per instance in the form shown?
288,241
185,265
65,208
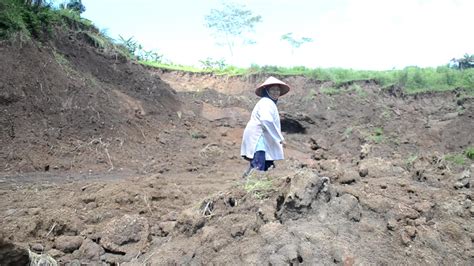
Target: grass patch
413,79
257,185
377,135
358,90
458,159
386,113
174,67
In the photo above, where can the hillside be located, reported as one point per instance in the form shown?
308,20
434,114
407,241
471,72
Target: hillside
106,161
66,102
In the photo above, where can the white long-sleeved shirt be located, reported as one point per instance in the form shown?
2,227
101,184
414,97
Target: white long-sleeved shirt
264,121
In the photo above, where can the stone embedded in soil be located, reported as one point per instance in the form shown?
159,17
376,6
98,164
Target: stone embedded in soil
406,239
90,250
318,155
403,212
289,252
34,211
464,175
55,253
111,259
463,182
392,224
37,247
420,221
377,203
68,244
266,213
350,176
306,189
423,207
410,230
237,230
126,234
163,228
363,171
189,222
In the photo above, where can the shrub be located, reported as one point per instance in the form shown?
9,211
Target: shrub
469,152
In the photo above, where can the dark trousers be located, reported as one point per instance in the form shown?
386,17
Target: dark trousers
258,162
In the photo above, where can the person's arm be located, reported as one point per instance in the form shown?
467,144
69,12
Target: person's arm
268,122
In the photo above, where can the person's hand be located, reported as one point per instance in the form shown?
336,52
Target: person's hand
283,143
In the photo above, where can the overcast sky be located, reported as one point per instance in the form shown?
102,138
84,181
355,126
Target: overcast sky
358,34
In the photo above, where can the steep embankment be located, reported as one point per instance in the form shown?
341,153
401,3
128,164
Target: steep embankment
69,105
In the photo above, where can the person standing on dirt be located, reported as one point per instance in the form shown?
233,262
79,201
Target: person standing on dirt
262,141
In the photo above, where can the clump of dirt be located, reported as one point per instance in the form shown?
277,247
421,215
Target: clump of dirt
105,161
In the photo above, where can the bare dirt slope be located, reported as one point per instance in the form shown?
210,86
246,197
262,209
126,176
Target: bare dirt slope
105,161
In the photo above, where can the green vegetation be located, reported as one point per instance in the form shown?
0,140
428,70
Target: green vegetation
197,135
377,135
469,152
412,79
210,63
74,5
462,63
135,50
294,43
358,90
331,91
455,158
410,160
37,18
260,187
347,133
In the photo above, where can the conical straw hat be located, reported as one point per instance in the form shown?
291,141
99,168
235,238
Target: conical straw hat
284,88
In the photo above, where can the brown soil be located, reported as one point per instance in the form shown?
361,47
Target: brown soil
106,161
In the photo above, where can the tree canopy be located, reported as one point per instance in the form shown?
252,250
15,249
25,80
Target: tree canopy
462,63
76,5
295,43
230,23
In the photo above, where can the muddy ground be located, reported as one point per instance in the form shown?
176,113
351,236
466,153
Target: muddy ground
104,161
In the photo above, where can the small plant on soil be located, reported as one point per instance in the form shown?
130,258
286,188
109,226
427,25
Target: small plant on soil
410,160
330,91
348,132
455,158
469,152
210,64
257,185
377,135
197,135
359,90
386,114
